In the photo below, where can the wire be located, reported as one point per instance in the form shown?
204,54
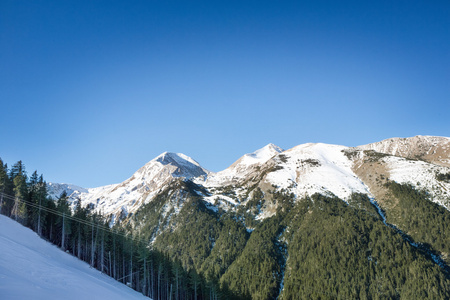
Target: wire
86,222
70,217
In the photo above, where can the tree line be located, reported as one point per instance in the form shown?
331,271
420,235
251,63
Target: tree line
82,232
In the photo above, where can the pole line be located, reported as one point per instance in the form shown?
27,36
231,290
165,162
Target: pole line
34,205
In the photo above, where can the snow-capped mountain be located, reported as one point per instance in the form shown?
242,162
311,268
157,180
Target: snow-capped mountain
56,189
302,170
272,204
145,183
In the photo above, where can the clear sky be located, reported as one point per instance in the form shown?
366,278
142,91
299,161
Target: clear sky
92,90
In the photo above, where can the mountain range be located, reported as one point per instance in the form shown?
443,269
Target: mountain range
302,170
316,221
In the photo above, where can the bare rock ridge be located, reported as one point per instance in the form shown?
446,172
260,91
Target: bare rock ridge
432,149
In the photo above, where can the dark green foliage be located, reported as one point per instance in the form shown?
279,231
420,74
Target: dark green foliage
125,257
311,162
350,153
443,177
315,248
325,248
373,156
339,252
282,158
6,187
228,246
256,273
192,241
425,221
256,202
362,201
19,179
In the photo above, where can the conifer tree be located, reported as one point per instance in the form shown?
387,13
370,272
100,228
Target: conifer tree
19,179
4,183
63,225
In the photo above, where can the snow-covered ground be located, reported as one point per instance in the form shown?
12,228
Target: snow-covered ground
31,268
317,168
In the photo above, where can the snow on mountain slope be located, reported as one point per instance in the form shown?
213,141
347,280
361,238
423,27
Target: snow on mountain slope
303,170
421,175
316,168
433,149
240,169
141,186
31,268
258,157
55,190
235,175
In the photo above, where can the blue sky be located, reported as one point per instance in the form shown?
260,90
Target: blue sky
92,90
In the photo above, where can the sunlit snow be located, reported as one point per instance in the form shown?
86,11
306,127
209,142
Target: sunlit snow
31,268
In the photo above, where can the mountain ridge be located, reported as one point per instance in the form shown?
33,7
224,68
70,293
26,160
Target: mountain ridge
316,220
303,170
434,149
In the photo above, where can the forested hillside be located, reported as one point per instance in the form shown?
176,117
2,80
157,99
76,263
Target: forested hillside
313,248
85,234
313,222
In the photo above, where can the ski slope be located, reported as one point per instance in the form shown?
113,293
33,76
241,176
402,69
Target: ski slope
31,268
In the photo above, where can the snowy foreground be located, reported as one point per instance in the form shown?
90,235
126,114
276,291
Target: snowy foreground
31,268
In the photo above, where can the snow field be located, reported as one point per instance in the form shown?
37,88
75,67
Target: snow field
31,268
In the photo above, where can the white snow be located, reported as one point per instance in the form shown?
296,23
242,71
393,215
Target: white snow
178,158
31,268
317,168
139,189
261,155
242,167
303,170
55,189
421,175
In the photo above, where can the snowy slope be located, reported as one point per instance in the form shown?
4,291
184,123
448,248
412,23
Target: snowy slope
247,166
422,176
31,268
141,187
56,189
317,168
244,166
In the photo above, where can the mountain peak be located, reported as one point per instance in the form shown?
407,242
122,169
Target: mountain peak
261,155
177,159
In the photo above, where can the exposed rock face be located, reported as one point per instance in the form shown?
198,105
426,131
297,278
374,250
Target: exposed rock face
432,149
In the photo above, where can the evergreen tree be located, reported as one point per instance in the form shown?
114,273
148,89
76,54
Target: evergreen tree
5,188
63,224
37,196
19,179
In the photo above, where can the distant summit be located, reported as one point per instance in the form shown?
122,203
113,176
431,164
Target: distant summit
186,166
